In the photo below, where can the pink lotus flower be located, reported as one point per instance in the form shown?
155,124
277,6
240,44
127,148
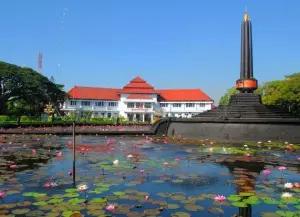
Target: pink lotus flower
2,194
146,197
33,151
266,172
281,168
110,207
13,166
59,154
50,184
219,198
142,171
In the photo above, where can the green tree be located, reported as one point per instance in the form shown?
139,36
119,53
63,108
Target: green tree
224,100
283,93
23,91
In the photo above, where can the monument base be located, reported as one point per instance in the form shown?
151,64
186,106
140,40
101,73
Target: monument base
244,119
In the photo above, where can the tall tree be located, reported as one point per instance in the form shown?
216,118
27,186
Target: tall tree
24,91
283,93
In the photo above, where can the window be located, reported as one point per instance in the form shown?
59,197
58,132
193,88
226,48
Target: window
202,104
148,105
130,105
109,115
139,105
190,105
176,105
73,102
85,103
130,116
163,104
100,103
112,104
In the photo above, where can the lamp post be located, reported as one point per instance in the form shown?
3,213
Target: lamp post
74,153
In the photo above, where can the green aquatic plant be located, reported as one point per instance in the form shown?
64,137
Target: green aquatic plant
75,201
244,199
40,203
34,194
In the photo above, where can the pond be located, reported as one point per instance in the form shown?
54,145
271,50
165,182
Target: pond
145,176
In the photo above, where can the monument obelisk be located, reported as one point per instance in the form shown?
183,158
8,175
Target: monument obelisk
247,83
245,118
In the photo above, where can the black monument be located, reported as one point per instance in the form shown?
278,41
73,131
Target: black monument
245,118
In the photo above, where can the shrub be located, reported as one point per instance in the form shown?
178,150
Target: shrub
4,118
29,119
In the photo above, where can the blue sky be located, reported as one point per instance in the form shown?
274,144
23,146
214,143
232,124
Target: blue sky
170,43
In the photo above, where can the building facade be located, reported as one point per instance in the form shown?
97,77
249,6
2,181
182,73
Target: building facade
137,101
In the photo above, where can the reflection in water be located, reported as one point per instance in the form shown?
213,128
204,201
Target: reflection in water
245,211
244,173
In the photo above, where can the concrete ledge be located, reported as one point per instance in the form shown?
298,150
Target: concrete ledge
234,132
231,131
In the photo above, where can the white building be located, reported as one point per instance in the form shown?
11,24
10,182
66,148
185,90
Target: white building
137,101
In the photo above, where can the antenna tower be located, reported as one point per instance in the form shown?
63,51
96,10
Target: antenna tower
40,63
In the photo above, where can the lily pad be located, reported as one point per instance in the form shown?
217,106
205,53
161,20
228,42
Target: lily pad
55,201
40,203
286,213
251,200
216,210
193,207
239,204
20,211
173,206
98,200
119,193
69,195
71,190
34,194
268,200
234,198
75,201
269,214
181,214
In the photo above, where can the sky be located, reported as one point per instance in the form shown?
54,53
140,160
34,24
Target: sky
170,43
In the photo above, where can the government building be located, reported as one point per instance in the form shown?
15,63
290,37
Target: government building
137,101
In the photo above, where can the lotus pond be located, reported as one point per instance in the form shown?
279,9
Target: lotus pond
144,176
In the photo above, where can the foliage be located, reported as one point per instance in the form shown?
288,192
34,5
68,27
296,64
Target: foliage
283,93
224,100
23,91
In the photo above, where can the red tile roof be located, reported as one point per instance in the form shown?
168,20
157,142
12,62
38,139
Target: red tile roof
183,95
97,93
137,89
138,85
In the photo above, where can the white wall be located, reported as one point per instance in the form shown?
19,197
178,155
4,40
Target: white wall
121,109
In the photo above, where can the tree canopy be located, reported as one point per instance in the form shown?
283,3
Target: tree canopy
24,91
284,94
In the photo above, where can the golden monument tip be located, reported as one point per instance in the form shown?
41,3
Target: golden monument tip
246,16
